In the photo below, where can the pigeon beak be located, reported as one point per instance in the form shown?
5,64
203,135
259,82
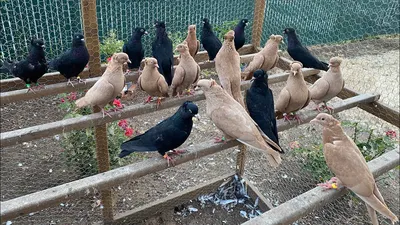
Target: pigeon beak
282,42
146,33
329,64
247,23
314,121
43,46
197,117
83,39
294,72
156,65
203,22
252,79
129,61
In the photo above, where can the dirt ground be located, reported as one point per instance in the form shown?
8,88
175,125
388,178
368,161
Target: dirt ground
370,66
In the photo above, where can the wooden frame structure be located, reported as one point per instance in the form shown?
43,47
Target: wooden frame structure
108,178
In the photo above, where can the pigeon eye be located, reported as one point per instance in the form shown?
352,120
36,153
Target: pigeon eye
323,119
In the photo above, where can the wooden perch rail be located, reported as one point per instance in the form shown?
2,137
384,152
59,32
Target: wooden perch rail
49,129
46,198
56,77
316,198
22,95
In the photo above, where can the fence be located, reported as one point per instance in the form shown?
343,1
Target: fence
63,178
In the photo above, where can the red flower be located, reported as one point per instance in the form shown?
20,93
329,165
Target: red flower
108,59
72,96
62,100
391,133
128,132
123,124
117,103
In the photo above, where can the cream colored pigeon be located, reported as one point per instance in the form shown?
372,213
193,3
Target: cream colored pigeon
295,95
108,86
192,42
329,85
152,82
227,65
186,73
265,59
345,160
233,120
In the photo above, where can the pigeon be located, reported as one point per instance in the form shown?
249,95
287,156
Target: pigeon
328,86
192,42
265,59
210,42
345,160
108,87
295,95
162,50
240,38
260,104
134,48
72,62
186,73
152,82
33,67
300,53
227,65
233,120
165,136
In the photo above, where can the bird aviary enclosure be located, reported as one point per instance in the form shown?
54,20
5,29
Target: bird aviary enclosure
58,167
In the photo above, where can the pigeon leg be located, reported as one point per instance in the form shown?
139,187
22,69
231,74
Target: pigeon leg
80,80
39,86
158,102
105,113
318,108
286,117
69,82
330,109
333,183
190,91
30,88
169,159
148,99
296,117
177,151
219,140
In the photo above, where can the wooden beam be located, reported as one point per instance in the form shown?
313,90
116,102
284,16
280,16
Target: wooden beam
55,77
316,198
258,22
22,95
161,205
44,130
52,196
253,192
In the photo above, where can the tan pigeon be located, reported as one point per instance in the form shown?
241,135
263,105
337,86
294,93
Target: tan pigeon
186,73
265,59
329,85
233,120
152,82
345,160
108,86
295,95
227,65
192,42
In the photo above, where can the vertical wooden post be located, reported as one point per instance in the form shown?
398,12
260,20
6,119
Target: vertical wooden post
241,160
93,44
258,20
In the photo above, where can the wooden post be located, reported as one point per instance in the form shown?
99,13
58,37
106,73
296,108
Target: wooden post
258,20
93,44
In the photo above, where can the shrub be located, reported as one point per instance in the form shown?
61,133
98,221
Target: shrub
222,29
110,45
176,38
79,146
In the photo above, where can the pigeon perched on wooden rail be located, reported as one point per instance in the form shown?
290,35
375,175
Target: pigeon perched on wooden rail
265,59
72,62
152,82
345,160
186,73
329,85
227,65
134,48
295,95
300,53
165,136
191,40
235,123
31,69
108,86
162,50
240,37
260,104
209,40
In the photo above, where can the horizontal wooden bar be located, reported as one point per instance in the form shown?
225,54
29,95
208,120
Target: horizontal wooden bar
46,198
55,77
316,198
22,95
44,130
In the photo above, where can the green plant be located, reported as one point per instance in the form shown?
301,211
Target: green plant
110,45
371,146
176,38
79,146
222,29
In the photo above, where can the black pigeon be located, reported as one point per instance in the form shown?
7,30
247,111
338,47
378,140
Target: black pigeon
240,38
210,42
300,53
134,48
260,103
165,136
163,52
33,67
72,62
